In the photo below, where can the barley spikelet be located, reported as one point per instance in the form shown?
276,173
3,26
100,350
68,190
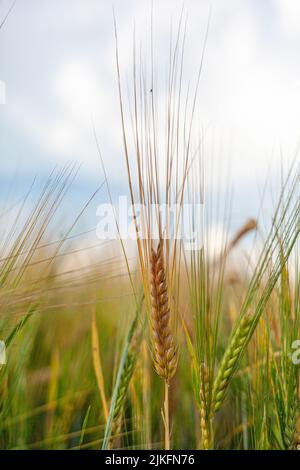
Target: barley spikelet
121,397
164,350
290,437
125,379
297,441
297,437
250,225
230,360
205,413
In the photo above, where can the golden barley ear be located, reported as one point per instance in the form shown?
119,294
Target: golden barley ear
164,349
250,225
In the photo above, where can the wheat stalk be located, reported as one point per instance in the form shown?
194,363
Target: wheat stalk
98,365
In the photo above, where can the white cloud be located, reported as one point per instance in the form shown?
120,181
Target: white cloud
288,12
249,96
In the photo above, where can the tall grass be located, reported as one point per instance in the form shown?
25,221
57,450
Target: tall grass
200,359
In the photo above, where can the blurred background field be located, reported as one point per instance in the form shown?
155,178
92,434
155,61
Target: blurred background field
51,397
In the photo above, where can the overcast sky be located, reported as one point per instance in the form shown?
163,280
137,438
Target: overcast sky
58,65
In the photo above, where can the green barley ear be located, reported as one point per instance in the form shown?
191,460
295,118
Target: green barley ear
230,360
292,408
124,375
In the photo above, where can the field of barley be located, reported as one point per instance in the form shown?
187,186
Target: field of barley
161,337
177,352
